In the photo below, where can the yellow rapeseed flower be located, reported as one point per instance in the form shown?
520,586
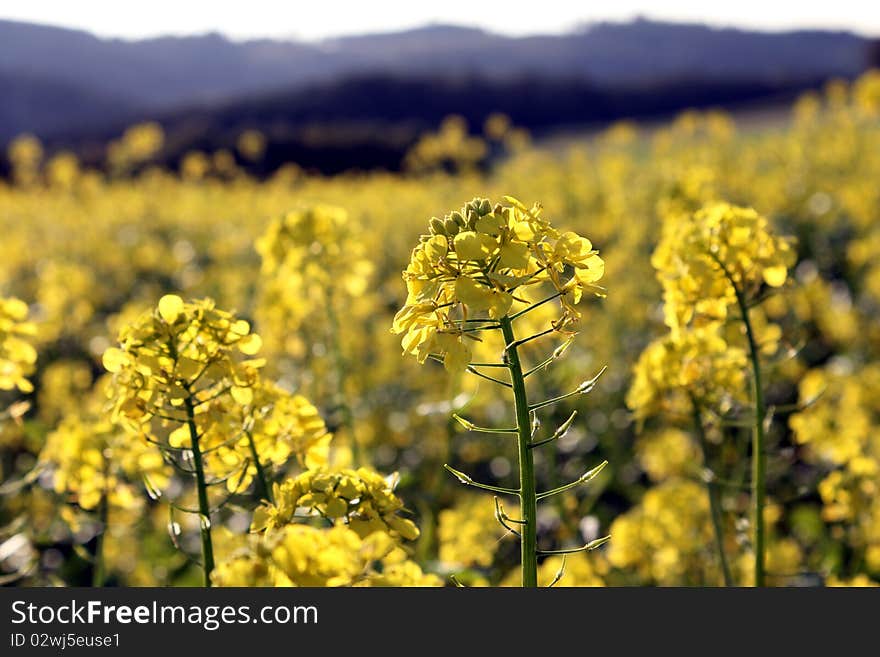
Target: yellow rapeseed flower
474,264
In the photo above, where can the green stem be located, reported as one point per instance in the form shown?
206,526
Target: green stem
759,456
264,491
202,489
714,496
527,492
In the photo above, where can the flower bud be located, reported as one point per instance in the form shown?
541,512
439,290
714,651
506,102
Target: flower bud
451,227
472,217
437,227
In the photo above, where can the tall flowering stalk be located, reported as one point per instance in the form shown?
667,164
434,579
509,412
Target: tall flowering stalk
178,373
685,376
709,262
478,270
309,257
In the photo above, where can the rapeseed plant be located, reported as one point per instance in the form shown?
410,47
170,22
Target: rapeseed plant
477,270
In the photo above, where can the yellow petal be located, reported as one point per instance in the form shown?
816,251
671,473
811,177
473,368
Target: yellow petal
250,344
436,247
261,519
179,437
499,304
474,246
472,294
514,255
241,327
170,307
523,231
490,224
114,359
15,308
467,246
590,270
406,528
243,396
318,454
457,357
775,276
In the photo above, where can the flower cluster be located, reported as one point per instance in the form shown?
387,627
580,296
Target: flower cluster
300,555
63,385
837,423
477,262
183,374
178,355
17,355
450,148
362,499
699,365
708,261
82,470
667,453
92,463
97,470
308,254
362,547
663,538
468,533
838,427
139,144
272,428
705,259
25,153
866,93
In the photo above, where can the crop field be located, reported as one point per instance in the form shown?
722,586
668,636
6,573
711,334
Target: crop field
640,358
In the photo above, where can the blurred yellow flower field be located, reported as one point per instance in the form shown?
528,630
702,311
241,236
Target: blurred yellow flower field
208,378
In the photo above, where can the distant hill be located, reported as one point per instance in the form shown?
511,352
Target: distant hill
368,121
104,79
49,106
616,53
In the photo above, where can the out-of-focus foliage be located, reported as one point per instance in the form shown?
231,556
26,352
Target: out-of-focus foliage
89,253
17,355
300,555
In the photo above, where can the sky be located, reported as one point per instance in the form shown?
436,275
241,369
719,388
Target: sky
314,20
